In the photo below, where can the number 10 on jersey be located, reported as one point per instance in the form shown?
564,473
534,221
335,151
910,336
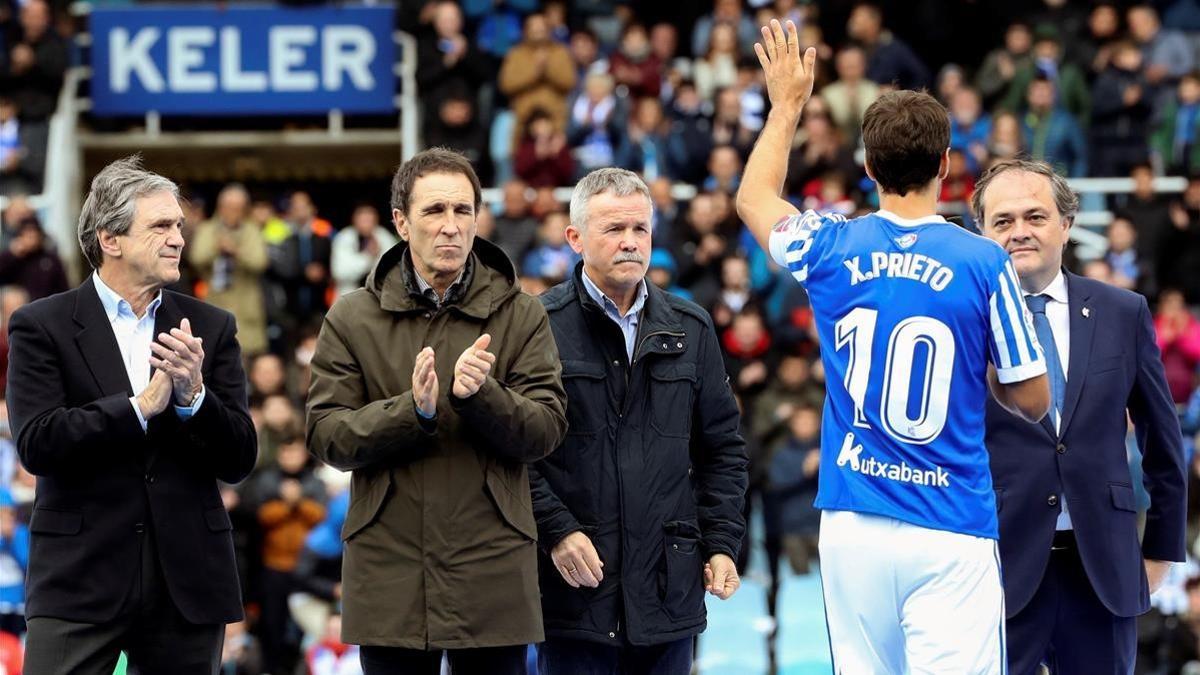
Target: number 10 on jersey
934,339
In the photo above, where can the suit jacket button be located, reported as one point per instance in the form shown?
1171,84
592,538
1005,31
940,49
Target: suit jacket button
149,478
139,528
1052,500
1061,449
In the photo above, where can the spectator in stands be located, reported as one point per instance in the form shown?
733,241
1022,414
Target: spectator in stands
729,124
553,258
1121,112
1070,85
791,387
699,248
28,263
664,45
267,376
1001,65
889,59
302,261
792,481
1178,254
516,229
959,182
19,209
666,210
11,298
811,35
1167,53
849,95
821,151
724,169
455,124
1007,139
634,65
1122,254
318,573
595,124
447,62
725,12
357,248
230,256
691,129
331,656
1104,28
543,158
1150,214
950,79
291,503
22,151
749,359
240,653
752,96
646,147
970,128
661,273
1052,133
717,68
14,561
1176,135
278,417
1178,336
36,64
499,23
585,56
556,20
537,73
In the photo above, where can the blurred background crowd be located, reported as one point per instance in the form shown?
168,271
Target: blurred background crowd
537,94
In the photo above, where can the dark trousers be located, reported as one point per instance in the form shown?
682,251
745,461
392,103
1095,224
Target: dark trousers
482,661
149,628
557,656
1066,626
275,624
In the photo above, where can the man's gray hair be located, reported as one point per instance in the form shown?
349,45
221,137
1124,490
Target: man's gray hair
617,182
1065,199
112,202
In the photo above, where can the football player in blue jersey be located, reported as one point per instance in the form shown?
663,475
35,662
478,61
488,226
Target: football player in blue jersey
916,318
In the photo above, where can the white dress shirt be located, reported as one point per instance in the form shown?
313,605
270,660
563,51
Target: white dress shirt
134,335
1059,315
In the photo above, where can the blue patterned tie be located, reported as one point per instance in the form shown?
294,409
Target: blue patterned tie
1054,369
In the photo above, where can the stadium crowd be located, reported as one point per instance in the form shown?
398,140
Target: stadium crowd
537,94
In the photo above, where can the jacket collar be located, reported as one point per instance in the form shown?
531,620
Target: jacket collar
658,317
493,280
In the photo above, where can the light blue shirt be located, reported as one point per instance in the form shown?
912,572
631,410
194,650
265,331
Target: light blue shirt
134,335
628,323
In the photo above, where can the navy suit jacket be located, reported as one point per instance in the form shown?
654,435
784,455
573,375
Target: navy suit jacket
1114,366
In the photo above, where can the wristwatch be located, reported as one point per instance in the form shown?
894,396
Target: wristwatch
195,397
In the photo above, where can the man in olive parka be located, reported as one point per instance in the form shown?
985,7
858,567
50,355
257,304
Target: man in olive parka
437,384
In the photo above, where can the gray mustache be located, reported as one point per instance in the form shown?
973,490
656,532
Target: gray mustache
630,257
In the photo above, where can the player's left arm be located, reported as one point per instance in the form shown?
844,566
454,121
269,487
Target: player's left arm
789,79
1156,427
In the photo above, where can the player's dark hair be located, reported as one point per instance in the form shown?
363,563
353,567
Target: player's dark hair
905,134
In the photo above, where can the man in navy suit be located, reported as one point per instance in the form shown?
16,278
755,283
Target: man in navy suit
1075,575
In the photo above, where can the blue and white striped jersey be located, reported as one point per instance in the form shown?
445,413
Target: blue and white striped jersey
909,313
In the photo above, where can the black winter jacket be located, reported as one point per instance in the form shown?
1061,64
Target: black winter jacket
653,469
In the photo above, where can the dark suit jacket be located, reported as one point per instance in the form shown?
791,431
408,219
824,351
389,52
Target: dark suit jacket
102,481
1114,366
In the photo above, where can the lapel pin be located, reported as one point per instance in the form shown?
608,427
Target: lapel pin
1086,312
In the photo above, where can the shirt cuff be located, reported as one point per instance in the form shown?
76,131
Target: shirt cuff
137,411
186,412
428,423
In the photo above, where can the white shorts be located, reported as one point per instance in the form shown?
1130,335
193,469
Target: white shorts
900,598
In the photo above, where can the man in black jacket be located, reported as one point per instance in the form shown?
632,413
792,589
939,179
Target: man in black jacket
640,510
128,402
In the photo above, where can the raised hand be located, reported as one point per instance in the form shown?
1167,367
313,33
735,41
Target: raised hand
425,383
180,355
789,77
